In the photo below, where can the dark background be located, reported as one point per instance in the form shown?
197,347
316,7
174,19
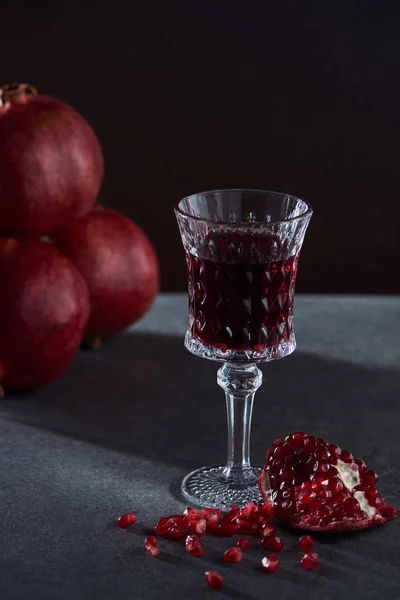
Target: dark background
188,95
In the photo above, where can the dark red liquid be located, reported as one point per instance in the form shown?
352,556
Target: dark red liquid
241,291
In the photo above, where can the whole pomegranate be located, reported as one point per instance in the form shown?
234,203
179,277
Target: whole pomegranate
51,165
319,486
118,264
44,308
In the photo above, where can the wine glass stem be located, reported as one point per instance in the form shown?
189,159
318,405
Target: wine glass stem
240,382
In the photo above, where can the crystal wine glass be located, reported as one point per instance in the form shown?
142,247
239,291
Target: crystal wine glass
242,249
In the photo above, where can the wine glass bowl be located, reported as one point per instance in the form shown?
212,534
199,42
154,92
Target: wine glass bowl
242,250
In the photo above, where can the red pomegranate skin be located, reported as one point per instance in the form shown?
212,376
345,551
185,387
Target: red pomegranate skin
44,310
51,166
119,265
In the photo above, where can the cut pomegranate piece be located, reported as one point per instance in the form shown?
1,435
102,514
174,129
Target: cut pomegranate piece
273,543
306,543
126,520
233,554
318,486
269,564
151,546
310,561
194,546
243,544
214,580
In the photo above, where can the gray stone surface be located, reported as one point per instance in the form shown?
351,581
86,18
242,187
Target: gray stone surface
125,424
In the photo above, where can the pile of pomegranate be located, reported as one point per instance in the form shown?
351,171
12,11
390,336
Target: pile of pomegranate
70,270
306,483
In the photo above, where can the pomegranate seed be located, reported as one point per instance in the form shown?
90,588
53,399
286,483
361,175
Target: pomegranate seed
231,516
273,543
266,510
298,439
243,544
175,533
194,546
151,547
306,543
370,478
346,456
228,529
234,508
126,520
309,485
248,510
266,531
310,561
211,515
214,580
248,528
269,564
161,528
198,527
362,467
192,513
335,485
307,496
233,554
213,527
165,524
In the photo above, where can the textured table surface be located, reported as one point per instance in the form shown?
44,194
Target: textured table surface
125,424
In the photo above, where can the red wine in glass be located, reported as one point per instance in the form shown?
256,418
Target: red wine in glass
241,290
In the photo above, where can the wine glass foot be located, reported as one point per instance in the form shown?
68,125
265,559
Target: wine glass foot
208,487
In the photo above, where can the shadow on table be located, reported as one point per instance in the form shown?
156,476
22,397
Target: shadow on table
144,394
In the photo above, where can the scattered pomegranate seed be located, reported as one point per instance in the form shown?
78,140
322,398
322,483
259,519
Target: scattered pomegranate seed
211,515
306,543
234,508
151,546
169,526
198,527
214,580
318,486
190,516
248,527
162,526
248,510
269,564
243,544
175,533
310,561
126,520
228,529
233,554
194,546
266,531
273,543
